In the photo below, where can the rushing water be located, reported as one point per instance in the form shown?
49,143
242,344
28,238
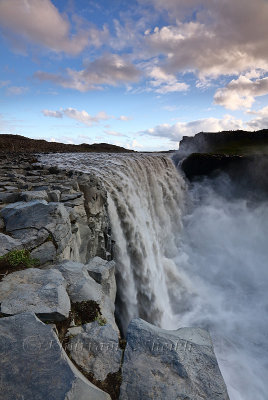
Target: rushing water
189,257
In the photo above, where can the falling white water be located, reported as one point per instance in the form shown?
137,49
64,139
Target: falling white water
204,265
145,199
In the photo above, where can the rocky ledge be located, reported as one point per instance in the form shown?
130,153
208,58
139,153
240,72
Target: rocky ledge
58,335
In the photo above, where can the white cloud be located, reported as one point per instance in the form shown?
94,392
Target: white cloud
241,92
260,121
217,42
163,83
177,131
109,69
51,113
124,118
40,22
81,116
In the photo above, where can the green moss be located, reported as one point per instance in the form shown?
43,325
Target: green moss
18,258
101,321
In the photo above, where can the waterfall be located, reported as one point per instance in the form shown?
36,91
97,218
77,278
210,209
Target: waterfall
146,199
189,256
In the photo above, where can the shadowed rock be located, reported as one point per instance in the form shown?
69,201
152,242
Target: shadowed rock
34,365
160,364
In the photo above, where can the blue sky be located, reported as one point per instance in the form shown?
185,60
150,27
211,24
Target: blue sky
140,73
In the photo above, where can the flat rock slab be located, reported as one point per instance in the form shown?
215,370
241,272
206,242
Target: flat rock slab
95,349
34,195
160,364
33,364
36,216
40,291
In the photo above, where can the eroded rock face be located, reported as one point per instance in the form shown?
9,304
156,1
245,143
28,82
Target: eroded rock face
160,364
81,287
34,290
103,272
34,365
95,349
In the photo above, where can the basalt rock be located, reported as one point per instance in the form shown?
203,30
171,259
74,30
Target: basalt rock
161,364
34,365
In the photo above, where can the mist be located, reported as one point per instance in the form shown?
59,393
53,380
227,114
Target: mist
223,254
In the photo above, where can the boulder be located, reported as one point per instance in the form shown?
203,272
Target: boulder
82,288
35,216
161,364
40,291
34,365
7,244
95,349
104,273
34,195
45,253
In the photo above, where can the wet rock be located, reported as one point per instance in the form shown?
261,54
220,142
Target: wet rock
34,365
95,349
40,291
160,364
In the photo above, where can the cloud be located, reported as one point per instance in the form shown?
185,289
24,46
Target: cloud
16,90
40,22
165,83
177,131
54,114
109,69
80,116
260,121
124,118
217,42
240,93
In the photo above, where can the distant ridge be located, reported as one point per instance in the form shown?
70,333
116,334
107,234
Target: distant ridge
21,144
225,142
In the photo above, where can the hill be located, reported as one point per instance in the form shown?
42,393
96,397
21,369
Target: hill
22,144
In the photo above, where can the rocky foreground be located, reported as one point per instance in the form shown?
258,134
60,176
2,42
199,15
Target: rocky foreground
58,335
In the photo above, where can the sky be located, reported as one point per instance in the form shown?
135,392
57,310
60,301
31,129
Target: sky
138,73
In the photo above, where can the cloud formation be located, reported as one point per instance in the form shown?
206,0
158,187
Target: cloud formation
260,121
177,131
241,92
109,69
226,37
40,22
164,83
81,116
